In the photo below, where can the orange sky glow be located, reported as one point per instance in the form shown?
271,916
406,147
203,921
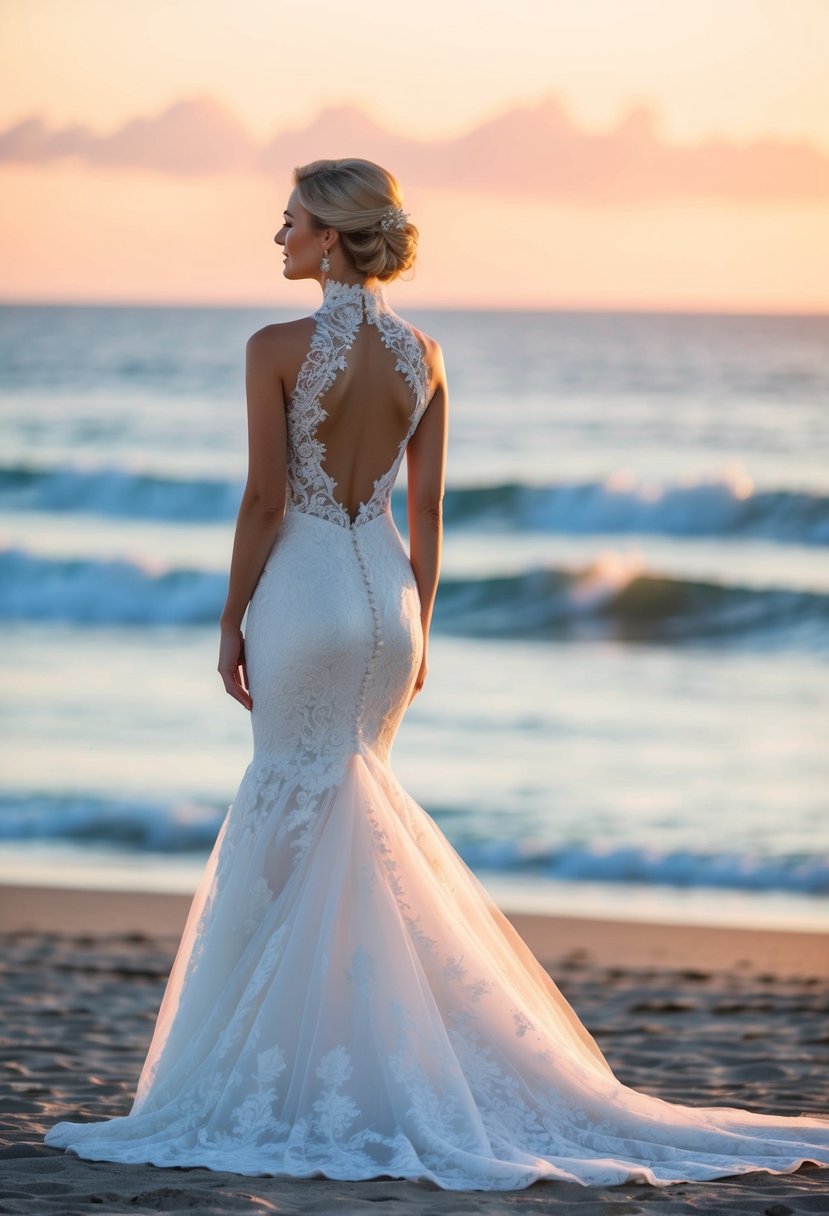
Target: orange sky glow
621,154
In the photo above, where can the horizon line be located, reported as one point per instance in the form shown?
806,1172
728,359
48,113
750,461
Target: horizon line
676,309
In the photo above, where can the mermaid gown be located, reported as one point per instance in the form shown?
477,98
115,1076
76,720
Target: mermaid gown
347,1000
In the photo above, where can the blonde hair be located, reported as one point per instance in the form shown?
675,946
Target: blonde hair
352,196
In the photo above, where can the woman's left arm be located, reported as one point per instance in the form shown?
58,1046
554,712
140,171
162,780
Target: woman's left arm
262,506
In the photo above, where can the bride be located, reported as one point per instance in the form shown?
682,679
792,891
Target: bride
346,999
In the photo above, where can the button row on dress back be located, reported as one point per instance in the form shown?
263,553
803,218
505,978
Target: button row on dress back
376,641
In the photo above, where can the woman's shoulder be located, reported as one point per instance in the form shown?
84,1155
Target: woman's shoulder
432,351
279,349
281,345
281,335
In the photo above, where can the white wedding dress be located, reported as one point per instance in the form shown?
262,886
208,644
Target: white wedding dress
347,1000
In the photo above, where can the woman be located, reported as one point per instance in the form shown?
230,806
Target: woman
347,1000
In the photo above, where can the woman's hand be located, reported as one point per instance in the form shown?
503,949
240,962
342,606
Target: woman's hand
232,667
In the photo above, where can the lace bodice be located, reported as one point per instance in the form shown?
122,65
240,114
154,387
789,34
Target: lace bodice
345,305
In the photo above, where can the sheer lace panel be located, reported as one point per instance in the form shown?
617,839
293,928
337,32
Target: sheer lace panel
359,396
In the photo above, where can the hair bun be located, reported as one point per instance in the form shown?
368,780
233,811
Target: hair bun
363,201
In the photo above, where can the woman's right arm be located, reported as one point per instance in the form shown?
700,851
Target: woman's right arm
426,472
262,505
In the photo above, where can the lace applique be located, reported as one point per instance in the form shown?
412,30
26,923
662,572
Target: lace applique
311,488
362,970
253,1115
522,1023
260,897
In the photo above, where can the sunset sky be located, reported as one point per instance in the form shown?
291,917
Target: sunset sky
587,153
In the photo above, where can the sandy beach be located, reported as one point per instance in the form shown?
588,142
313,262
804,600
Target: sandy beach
699,1015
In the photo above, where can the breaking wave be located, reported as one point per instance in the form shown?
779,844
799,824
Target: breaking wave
721,506
615,596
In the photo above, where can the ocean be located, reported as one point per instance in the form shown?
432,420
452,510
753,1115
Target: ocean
627,710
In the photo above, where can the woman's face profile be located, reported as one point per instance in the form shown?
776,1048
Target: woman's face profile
302,244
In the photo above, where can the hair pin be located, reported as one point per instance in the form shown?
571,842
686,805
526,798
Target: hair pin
394,217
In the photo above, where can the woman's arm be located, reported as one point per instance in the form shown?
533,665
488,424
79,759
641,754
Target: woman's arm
426,471
262,506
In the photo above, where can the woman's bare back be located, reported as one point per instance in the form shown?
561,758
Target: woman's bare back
366,410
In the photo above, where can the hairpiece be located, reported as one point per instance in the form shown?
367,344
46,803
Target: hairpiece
393,217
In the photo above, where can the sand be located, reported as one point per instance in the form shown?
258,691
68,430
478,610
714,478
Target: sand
697,1015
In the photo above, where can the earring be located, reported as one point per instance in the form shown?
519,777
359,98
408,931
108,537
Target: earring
325,264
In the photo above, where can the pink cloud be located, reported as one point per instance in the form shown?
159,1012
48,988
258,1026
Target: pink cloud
528,152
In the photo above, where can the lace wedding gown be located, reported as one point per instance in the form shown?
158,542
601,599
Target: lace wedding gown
347,1000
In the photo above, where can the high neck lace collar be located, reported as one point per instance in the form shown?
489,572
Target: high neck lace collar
336,294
